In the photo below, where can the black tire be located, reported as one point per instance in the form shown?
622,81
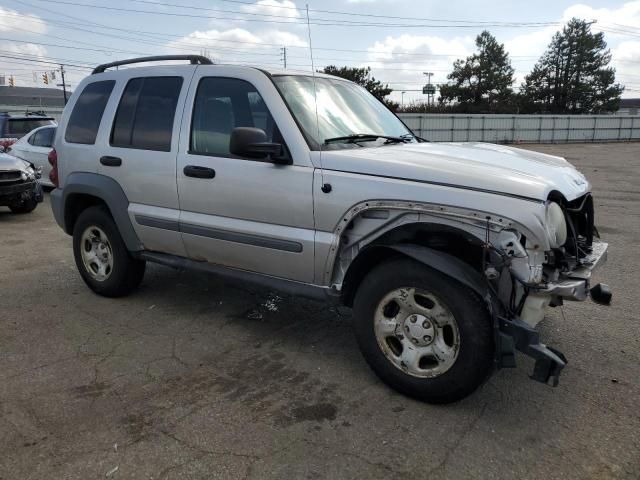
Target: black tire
474,361
27,206
127,272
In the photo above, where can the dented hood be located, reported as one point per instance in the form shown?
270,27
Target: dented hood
482,166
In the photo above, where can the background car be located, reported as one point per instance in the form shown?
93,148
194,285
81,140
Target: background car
34,148
13,127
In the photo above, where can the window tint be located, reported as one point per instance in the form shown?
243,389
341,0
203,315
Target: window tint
43,138
221,105
145,115
87,112
20,127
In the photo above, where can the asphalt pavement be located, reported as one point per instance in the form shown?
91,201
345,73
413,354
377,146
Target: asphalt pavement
190,378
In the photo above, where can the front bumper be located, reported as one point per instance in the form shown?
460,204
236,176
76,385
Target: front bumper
517,334
574,285
16,193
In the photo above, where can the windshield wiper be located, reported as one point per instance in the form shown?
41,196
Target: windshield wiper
364,137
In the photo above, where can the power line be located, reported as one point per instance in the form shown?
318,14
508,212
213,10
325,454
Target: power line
316,21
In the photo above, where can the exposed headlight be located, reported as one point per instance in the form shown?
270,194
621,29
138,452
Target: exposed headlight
556,225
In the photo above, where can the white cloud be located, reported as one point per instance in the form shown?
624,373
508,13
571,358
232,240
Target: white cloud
13,21
238,45
285,8
404,58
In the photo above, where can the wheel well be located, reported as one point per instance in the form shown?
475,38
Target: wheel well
75,204
451,240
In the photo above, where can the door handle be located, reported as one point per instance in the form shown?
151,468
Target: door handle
196,171
111,161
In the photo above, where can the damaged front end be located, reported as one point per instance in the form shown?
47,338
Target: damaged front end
527,280
19,183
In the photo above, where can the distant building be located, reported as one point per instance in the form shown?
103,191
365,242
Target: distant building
629,106
32,99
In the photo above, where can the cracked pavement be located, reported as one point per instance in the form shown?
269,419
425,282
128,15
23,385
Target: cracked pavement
191,378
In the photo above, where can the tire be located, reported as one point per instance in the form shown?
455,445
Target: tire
26,206
404,336
101,256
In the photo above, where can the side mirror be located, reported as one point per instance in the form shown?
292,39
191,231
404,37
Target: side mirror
253,143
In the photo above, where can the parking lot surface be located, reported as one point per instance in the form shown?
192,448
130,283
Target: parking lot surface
191,378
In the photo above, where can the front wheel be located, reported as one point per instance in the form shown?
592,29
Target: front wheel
423,333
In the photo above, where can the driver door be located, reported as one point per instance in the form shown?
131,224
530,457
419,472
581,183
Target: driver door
239,212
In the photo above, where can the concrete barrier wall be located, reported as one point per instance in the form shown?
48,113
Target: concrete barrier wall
523,128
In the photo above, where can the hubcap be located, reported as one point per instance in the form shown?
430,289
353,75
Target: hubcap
96,253
417,332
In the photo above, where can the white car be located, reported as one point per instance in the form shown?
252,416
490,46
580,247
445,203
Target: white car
34,147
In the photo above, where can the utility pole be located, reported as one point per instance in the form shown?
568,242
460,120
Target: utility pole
283,56
403,98
63,84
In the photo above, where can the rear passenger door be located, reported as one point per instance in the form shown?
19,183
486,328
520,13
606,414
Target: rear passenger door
141,147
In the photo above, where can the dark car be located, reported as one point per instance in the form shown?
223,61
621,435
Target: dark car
13,127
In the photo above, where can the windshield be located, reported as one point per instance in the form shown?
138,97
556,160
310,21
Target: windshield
344,109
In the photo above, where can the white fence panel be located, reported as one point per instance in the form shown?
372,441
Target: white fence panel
524,128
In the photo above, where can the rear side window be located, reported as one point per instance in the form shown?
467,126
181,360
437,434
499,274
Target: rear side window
20,127
146,112
43,138
86,115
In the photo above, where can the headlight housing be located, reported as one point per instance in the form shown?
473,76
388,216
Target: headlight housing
556,225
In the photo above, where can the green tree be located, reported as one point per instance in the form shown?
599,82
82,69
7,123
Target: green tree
481,82
362,76
573,75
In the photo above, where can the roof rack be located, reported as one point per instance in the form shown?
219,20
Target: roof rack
193,59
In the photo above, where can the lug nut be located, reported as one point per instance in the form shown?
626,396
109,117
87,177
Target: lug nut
413,319
426,338
425,324
414,340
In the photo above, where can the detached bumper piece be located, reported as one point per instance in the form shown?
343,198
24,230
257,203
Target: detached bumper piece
517,335
19,192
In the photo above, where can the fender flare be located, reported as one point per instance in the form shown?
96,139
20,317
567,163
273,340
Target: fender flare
448,265
107,190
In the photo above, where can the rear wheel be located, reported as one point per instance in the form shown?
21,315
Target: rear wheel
102,257
422,332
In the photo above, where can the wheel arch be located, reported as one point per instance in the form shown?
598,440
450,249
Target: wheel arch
449,250
83,190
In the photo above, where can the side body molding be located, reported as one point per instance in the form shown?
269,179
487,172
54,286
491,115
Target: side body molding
102,187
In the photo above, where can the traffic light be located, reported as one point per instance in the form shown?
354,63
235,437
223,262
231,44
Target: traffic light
12,82
45,78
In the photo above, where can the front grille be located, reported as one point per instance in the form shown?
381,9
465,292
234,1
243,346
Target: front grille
9,178
580,225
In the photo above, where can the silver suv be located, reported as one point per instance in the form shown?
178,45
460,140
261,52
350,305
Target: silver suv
449,253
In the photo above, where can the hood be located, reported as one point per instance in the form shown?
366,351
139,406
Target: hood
9,163
479,166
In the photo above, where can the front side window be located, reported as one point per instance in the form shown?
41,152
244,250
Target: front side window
146,113
87,113
343,109
221,105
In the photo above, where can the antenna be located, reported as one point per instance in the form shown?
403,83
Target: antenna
315,97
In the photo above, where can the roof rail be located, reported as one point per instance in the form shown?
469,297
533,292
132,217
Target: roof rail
193,59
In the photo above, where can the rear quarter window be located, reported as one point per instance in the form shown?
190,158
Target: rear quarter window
87,113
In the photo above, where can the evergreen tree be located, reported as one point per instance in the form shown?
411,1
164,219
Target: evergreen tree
483,81
362,76
573,75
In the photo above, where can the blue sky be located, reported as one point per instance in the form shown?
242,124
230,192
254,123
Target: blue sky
401,38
